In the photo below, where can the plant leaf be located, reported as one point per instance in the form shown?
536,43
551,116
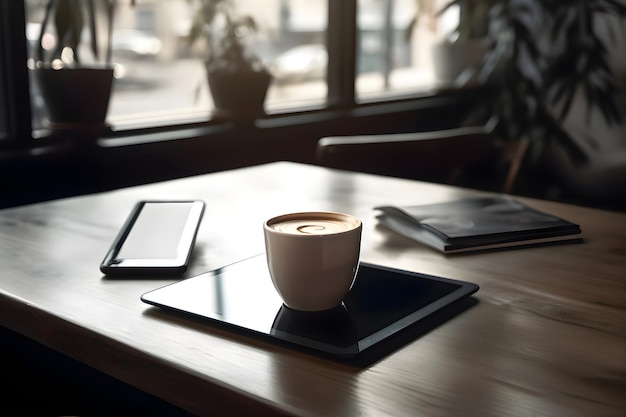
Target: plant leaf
93,30
68,19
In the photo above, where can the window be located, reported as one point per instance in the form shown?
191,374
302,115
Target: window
14,100
160,79
329,78
159,76
399,46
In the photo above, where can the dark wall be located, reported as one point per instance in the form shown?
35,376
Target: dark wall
71,166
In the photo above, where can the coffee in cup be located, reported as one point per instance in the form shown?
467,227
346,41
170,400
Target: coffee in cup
313,257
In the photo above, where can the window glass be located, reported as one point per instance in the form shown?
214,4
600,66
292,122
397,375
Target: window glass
399,46
297,56
160,79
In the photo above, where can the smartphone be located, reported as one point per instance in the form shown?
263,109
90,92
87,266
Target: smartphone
157,238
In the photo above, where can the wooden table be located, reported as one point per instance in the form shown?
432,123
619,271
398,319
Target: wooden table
547,336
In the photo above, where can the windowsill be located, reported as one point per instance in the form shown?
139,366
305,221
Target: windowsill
306,116
196,126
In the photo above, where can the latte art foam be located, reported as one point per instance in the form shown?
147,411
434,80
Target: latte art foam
313,226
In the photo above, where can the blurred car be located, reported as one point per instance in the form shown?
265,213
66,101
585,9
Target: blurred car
301,63
135,44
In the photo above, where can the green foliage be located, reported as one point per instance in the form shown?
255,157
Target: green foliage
541,54
69,17
224,34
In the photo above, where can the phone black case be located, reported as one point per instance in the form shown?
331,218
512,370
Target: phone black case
159,229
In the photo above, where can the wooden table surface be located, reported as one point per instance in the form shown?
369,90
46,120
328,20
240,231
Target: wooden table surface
547,336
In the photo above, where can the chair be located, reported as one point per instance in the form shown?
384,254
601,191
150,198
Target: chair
467,156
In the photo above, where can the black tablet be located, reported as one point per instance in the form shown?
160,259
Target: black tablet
382,302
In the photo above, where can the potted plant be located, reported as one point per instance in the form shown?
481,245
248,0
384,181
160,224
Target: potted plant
238,79
550,51
541,56
75,90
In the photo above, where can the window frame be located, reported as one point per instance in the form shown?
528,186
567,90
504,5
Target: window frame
341,104
16,100
341,70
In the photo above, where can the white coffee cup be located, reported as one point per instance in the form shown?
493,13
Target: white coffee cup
313,257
